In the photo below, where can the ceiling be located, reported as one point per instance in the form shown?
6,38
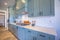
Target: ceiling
9,3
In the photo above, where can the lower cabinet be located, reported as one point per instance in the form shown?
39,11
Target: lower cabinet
10,28
21,33
28,34
13,29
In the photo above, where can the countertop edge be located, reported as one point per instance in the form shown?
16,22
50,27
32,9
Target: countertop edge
55,34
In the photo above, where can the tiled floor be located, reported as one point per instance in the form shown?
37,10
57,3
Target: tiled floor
6,35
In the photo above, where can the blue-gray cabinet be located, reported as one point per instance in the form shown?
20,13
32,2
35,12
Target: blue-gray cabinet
34,8
13,29
24,34
21,33
27,34
40,8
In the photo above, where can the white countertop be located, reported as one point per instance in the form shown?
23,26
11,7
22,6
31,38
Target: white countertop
51,31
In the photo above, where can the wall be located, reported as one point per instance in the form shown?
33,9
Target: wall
53,21
2,20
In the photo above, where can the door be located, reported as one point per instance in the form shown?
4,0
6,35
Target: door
2,18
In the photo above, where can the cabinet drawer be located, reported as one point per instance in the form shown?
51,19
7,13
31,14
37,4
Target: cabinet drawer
51,37
31,32
42,36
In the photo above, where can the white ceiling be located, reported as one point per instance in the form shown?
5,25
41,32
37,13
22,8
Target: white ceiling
9,3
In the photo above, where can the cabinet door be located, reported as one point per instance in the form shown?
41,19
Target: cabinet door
25,34
45,7
15,30
10,28
21,33
29,34
30,7
40,7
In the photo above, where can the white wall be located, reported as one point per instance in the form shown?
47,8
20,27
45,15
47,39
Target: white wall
51,21
2,20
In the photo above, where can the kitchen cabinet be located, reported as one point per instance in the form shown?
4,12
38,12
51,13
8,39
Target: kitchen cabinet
34,8
13,29
40,8
34,35
21,33
24,34
29,34
10,27
42,36
51,37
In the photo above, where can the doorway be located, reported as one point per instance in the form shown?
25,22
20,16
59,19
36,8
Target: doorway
3,19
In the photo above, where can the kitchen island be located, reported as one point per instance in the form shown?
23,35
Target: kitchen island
32,32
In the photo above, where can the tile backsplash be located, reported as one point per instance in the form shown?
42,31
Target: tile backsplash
42,21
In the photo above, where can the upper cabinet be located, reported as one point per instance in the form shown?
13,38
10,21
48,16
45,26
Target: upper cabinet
34,8
40,7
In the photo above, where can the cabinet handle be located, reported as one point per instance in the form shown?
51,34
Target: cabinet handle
41,13
42,36
29,31
34,38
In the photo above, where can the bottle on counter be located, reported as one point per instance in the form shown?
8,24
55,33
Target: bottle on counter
33,23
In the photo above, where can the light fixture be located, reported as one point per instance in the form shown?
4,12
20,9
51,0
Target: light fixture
5,3
23,1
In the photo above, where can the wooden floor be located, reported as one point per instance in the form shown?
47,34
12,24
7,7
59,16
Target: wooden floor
6,35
